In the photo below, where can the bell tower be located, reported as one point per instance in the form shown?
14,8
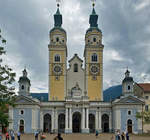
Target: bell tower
57,59
93,54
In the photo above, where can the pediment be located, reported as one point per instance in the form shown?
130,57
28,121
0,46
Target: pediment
26,100
128,100
75,58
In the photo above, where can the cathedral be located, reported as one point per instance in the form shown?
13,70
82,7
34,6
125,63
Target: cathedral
74,102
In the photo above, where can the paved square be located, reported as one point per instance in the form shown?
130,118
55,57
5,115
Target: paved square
83,137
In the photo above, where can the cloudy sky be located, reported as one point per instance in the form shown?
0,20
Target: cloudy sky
125,25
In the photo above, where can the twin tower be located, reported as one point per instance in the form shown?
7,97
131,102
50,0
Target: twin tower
75,80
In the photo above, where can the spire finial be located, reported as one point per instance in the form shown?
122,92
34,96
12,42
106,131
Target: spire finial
93,3
58,3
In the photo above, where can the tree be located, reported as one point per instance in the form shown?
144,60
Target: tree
7,94
145,116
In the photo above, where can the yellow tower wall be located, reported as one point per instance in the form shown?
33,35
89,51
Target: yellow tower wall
57,88
94,87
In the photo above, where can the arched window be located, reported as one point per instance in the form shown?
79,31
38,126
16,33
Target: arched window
21,122
57,39
75,67
94,39
94,57
128,87
21,112
57,58
22,87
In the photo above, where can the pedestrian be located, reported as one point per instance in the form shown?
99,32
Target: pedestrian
96,134
12,135
36,134
58,137
118,135
127,136
123,136
7,136
0,135
18,135
43,137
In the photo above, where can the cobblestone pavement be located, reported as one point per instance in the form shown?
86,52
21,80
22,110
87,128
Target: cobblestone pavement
82,137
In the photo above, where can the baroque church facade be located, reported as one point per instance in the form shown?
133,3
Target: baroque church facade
75,103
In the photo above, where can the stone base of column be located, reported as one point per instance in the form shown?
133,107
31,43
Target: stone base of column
85,130
68,131
110,130
54,131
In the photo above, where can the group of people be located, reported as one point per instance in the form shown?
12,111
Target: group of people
121,136
43,137
10,135
118,136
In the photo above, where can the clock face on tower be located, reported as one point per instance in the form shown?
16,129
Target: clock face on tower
94,69
57,69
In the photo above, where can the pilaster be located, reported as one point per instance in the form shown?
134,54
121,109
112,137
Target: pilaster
53,120
41,121
110,121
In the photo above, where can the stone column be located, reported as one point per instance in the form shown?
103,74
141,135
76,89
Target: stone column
87,121
97,120
53,120
41,121
56,121
100,121
10,118
70,120
83,119
66,121
110,121
87,118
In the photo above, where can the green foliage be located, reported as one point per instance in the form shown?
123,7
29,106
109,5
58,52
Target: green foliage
145,115
7,94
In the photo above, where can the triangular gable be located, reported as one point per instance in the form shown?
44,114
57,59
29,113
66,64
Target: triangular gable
75,56
128,100
25,100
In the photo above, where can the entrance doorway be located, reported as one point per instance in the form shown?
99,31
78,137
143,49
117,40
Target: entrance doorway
47,123
105,123
76,119
21,126
129,125
61,123
92,123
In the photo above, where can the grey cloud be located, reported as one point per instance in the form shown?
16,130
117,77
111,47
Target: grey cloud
27,23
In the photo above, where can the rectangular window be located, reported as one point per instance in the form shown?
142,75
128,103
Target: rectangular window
75,67
129,112
146,107
146,97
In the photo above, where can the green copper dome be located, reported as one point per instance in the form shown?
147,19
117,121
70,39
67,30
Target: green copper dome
58,19
93,22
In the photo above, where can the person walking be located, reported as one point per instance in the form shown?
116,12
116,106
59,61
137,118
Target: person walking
12,135
118,135
123,136
18,135
36,134
58,137
0,135
127,136
96,134
7,136
43,137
